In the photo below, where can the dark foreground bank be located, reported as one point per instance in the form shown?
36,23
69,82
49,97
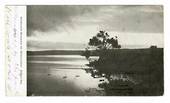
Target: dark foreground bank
145,66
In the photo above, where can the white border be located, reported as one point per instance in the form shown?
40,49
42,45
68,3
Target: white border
15,50
161,99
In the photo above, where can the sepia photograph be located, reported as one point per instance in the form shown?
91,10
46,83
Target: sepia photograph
95,50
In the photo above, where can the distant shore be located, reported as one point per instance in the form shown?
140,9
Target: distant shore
80,52
55,52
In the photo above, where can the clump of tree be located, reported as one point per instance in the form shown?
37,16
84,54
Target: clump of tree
102,41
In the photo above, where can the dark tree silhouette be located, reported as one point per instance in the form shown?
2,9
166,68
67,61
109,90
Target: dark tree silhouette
102,41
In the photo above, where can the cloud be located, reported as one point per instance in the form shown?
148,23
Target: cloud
143,19
52,18
57,18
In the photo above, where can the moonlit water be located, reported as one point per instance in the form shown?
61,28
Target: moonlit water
60,61
61,75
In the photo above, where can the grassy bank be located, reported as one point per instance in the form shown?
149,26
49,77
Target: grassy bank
138,60
143,65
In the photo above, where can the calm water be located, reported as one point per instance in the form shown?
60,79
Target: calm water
61,75
65,75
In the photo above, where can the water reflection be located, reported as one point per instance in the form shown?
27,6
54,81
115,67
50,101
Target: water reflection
113,84
62,76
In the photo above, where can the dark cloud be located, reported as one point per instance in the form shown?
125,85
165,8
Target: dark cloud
113,18
47,18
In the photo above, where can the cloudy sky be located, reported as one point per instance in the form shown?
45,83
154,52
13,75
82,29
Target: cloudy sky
134,25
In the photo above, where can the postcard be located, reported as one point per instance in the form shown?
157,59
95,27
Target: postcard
84,50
